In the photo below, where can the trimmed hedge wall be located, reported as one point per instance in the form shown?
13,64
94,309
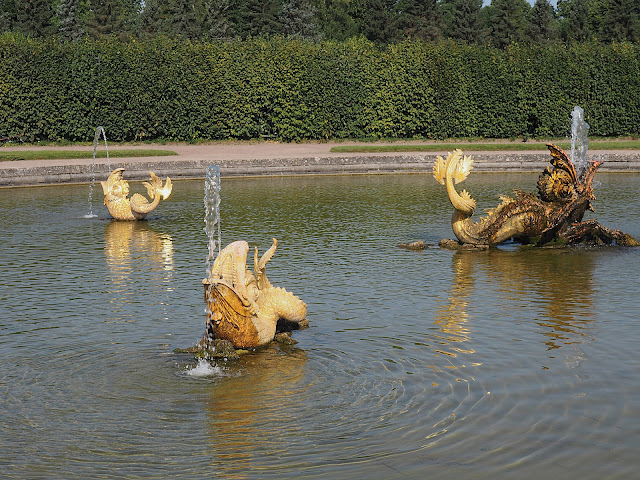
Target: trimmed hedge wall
292,90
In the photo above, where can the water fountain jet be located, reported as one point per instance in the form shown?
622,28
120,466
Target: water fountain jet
212,212
579,139
96,139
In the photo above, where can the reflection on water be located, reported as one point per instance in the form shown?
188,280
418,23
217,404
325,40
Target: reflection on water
137,258
556,280
507,363
125,242
452,317
251,411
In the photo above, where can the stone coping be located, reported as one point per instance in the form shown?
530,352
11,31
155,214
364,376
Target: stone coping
39,173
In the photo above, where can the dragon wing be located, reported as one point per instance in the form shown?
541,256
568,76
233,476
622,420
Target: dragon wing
260,265
560,159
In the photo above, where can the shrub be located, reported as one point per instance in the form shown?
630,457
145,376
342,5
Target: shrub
290,90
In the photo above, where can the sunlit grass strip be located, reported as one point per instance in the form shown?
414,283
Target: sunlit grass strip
439,147
71,154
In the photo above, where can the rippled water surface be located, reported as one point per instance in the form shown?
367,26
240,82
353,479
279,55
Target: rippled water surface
510,363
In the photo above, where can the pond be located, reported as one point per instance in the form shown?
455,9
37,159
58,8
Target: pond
511,363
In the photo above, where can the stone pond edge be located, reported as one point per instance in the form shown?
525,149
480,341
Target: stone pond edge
137,169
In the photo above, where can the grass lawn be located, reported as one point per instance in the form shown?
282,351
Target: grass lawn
490,147
56,154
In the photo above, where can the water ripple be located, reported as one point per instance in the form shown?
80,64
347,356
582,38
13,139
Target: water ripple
468,365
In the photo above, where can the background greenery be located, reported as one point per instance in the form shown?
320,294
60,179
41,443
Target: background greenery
291,89
500,22
316,69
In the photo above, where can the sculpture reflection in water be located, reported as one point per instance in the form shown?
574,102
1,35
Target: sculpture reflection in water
452,317
116,196
561,283
247,420
137,257
554,215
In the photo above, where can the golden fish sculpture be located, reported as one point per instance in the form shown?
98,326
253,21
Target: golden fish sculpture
242,307
116,192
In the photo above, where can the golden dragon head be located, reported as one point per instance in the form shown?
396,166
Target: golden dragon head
230,269
115,187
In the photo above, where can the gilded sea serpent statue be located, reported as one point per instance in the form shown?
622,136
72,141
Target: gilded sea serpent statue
116,191
554,215
243,307
244,310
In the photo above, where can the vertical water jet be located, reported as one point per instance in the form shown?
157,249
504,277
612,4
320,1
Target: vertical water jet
212,212
96,139
579,140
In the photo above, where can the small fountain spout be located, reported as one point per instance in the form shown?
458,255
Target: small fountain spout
96,139
579,140
212,212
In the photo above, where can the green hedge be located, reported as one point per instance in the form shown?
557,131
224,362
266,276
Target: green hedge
293,90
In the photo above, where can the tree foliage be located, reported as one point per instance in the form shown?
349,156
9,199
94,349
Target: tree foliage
499,23
290,89
507,21
107,18
461,20
30,17
70,15
540,26
575,26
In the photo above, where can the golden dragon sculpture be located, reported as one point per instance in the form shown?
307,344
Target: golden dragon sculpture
116,191
555,214
242,307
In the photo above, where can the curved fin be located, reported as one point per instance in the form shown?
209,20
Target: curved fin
463,168
440,169
560,159
462,202
166,190
259,266
154,187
